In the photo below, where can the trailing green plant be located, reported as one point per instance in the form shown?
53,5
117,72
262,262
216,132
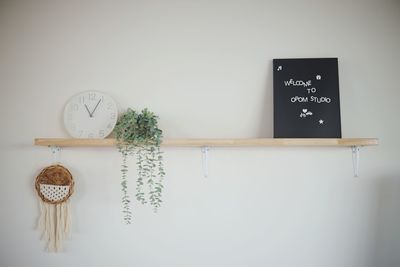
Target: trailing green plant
138,133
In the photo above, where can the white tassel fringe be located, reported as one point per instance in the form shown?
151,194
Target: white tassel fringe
54,223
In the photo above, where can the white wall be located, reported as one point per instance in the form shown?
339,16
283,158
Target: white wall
205,68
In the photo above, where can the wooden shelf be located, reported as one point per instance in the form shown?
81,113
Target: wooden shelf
72,142
354,143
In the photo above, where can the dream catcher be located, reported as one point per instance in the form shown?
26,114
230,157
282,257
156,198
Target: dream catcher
54,186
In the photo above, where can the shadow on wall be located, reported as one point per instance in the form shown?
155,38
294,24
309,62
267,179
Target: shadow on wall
267,122
387,241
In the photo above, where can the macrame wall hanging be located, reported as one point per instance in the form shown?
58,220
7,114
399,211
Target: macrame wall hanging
54,186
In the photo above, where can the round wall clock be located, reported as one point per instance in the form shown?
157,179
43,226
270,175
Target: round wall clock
90,114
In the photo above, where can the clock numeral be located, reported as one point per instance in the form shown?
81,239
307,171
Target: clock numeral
109,105
112,116
101,133
74,107
91,135
82,99
92,96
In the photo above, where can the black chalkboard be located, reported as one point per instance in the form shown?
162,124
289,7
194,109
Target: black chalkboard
306,98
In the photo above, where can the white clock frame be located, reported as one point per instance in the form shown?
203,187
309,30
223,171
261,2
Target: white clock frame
90,114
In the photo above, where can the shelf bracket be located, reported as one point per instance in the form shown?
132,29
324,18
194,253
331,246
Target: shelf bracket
55,152
204,151
356,159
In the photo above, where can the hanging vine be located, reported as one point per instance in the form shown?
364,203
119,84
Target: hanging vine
139,133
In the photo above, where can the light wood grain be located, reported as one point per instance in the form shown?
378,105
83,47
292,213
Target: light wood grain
245,142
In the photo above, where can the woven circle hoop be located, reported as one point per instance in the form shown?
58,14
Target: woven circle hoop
54,184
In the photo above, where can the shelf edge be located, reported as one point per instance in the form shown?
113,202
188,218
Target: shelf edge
239,142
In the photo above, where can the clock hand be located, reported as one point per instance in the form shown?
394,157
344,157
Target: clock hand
90,114
95,108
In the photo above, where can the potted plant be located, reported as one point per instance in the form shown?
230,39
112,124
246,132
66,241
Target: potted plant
138,134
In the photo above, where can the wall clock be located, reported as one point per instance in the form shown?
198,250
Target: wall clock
90,114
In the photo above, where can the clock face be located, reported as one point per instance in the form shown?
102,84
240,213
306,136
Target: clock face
90,114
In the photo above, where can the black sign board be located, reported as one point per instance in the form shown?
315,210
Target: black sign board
306,98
